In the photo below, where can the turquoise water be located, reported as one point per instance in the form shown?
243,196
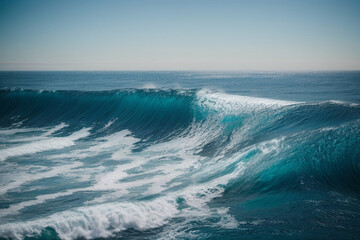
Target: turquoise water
185,155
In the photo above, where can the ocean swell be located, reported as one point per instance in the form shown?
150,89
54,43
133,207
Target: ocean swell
95,164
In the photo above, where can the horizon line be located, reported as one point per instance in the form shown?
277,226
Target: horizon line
180,70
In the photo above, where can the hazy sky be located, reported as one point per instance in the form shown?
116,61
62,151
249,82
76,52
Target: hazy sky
180,35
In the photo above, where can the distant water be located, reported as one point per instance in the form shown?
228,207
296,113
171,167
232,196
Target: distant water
185,155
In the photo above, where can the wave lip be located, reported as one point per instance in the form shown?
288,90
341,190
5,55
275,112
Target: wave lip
231,103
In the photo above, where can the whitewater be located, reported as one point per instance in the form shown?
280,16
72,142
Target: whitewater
177,163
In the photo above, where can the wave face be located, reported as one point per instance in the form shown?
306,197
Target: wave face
164,164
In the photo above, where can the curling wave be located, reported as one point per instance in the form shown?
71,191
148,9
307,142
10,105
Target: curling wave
99,164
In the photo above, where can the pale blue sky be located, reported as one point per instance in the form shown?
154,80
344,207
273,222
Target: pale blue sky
180,35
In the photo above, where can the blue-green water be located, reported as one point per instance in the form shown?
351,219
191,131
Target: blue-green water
185,155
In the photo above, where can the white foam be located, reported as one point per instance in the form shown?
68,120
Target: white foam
56,128
15,208
343,103
121,142
97,221
199,177
44,145
13,131
110,123
229,103
104,219
37,138
12,180
18,124
227,221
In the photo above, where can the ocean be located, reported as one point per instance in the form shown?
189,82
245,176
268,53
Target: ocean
180,155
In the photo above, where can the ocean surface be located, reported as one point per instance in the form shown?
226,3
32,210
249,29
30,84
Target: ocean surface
179,155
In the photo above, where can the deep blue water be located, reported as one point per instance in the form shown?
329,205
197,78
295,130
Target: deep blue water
179,155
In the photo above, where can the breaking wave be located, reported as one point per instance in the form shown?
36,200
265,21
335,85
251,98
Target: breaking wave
98,164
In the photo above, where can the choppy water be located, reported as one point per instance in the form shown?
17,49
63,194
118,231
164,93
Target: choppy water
162,155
